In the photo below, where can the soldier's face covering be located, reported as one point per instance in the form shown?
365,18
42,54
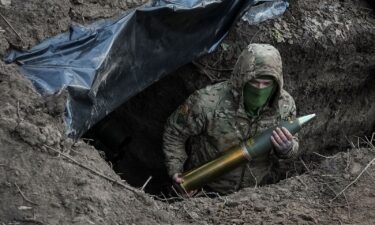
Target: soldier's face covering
256,94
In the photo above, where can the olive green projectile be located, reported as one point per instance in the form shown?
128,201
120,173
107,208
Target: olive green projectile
237,156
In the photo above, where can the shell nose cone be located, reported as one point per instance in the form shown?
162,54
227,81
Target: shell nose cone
304,119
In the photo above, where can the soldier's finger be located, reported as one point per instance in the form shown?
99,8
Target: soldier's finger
287,133
277,138
281,134
275,143
289,145
177,178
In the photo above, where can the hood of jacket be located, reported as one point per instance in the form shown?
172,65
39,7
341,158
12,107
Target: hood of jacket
255,61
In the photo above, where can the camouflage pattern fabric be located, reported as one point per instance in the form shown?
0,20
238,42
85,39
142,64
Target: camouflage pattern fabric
213,119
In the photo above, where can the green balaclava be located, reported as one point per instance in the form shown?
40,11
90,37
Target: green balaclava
256,98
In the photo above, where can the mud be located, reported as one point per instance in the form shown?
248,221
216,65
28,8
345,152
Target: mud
39,186
328,52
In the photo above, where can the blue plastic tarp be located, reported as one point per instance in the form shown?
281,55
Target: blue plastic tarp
104,64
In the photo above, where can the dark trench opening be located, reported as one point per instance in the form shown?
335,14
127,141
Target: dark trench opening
131,136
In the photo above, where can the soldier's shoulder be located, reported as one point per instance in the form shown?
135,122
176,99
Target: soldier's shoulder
287,104
286,98
214,89
212,94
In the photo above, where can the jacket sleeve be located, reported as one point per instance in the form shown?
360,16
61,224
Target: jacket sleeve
188,120
288,112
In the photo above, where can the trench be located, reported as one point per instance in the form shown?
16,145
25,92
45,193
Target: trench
131,136
336,82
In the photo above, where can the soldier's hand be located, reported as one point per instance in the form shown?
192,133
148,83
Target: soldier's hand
282,140
179,180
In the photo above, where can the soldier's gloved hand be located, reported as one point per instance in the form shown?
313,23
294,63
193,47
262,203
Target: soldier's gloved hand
282,140
178,179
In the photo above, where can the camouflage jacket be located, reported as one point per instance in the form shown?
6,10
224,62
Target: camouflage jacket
213,119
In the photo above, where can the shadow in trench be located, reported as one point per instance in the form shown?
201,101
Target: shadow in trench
131,136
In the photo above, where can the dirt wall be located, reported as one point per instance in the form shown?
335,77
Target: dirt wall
37,185
328,56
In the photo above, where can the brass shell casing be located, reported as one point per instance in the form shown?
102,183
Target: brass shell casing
236,156
231,159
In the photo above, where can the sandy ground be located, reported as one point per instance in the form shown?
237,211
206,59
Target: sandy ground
328,51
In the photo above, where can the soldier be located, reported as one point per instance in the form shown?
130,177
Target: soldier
223,115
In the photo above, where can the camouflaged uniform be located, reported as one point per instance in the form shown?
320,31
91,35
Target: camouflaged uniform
214,119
